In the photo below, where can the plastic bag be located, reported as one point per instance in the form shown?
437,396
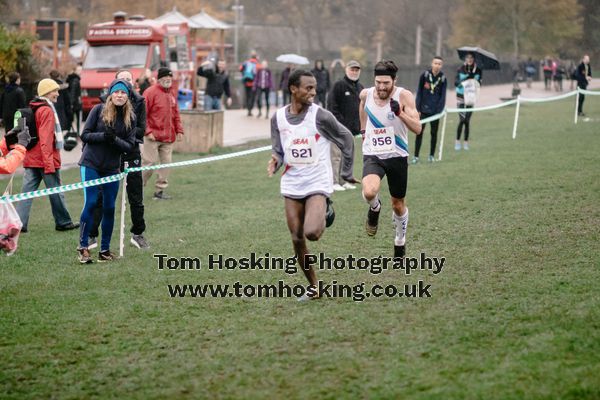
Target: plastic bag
471,91
10,225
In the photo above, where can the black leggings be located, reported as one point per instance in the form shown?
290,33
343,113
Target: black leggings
580,105
259,94
464,120
434,130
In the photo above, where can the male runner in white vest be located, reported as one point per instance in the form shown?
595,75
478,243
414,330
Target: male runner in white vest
301,135
387,113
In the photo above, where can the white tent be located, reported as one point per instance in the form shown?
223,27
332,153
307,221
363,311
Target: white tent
205,21
175,17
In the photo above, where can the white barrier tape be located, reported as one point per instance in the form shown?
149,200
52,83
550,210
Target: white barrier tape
118,177
61,189
546,99
590,92
433,117
486,108
201,160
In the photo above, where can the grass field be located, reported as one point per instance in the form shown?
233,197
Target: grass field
515,313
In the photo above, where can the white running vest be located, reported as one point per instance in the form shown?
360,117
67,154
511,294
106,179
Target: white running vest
385,134
306,161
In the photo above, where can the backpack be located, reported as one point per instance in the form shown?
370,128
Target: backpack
29,116
249,71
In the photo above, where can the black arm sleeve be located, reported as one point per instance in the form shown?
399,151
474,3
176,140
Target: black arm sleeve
140,122
341,137
226,87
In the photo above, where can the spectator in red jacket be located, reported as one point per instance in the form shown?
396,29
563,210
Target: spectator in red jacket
42,162
163,127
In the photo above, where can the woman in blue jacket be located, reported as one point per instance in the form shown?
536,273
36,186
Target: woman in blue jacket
108,133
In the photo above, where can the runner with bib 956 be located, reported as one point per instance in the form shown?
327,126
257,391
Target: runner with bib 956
387,113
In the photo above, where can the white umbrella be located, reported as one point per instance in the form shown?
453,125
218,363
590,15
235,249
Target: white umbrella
293,59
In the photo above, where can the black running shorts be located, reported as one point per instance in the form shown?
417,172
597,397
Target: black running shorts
396,170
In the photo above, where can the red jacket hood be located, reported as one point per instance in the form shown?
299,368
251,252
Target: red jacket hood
37,103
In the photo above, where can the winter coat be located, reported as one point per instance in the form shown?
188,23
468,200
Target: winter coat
285,77
463,73
74,82
263,80
10,161
139,108
11,100
431,93
99,154
343,102
582,81
44,154
322,77
217,83
162,114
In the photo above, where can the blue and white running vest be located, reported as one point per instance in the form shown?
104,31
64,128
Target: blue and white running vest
385,134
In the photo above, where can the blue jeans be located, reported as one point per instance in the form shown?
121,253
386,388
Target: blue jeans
212,103
90,197
31,181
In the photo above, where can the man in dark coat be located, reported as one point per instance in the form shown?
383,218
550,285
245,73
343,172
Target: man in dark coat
343,102
217,84
431,100
11,100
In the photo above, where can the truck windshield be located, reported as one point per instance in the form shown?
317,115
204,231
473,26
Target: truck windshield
116,56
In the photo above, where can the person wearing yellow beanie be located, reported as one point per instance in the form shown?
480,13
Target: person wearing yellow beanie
42,162
46,86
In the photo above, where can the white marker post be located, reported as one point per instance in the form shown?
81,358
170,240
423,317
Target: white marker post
123,206
443,133
514,135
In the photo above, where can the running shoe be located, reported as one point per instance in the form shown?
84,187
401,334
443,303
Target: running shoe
466,146
306,297
457,145
399,251
140,242
431,159
84,256
348,186
106,255
67,227
338,188
372,222
161,196
415,160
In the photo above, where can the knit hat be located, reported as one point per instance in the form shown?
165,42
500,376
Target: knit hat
162,72
46,86
119,84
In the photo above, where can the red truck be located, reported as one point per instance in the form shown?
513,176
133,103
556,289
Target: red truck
136,44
